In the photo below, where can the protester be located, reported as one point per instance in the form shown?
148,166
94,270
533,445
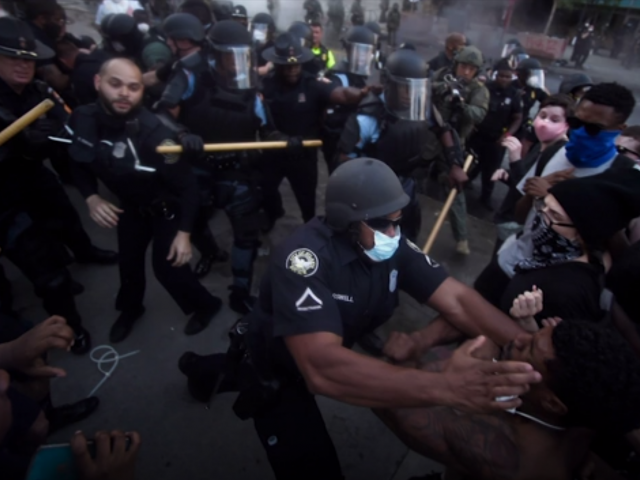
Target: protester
452,45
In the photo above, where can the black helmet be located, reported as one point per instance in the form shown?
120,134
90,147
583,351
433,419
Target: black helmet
264,19
573,82
222,9
183,26
231,40
374,27
240,12
406,64
529,64
362,189
229,33
360,34
17,41
117,25
303,32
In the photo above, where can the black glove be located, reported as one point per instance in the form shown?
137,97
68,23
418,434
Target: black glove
454,156
192,144
295,147
39,131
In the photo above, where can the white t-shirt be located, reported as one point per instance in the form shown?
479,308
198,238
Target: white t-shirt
518,248
107,7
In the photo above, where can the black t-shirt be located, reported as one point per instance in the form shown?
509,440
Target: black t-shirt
297,110
439,61
318,282
504,103
571,290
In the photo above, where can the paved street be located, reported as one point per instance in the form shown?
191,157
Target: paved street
146,392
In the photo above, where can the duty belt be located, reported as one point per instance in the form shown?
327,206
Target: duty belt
158,209
226,160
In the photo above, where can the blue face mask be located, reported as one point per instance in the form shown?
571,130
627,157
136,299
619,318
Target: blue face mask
585,151
384,247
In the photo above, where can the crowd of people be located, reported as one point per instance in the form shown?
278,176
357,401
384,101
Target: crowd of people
547,357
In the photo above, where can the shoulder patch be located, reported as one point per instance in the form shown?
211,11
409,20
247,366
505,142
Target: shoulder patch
427,258
303,262
170,158
413,246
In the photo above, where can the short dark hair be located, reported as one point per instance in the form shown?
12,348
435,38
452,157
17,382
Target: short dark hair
316,23
564,101
633,132
613,95
34,8
199,9
596,375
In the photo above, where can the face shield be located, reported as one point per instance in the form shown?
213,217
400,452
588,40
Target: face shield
507,49
235,67
536,79
260,33
360,57
408,98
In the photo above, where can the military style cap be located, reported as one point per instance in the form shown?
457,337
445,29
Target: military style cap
17,41
287,51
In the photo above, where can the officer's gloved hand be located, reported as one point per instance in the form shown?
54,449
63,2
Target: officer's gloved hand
192,144
295,146
39,131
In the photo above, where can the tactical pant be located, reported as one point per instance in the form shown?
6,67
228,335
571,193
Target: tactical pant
201,236
41,260
136,229
490,156
237,193
393,37
302,173
330,142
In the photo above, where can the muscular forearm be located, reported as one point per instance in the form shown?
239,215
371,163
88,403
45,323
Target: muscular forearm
346,96
439,332
352,378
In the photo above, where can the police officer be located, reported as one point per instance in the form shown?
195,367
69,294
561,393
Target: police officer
398,129
530,83
263,30
114,140
357,13
336,15
503,120
240,15
353,71
463,102
576,85
313,11
377,31
304,33
36,216
297,101
331,282
221,105
323,58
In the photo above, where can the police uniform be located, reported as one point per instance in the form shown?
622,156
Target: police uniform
158,194
323,60
297,112
504,104
318,282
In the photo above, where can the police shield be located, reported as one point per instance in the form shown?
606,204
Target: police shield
234,66
259,32
536,79
360,57
408,98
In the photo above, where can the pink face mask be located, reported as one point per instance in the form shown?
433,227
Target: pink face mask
546,130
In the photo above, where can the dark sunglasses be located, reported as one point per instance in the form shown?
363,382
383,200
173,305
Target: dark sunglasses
592,129
383,224
625,151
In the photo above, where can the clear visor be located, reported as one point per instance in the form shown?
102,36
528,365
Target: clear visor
408,98
360,58
234,66
515,60
536,79
260,32
507,49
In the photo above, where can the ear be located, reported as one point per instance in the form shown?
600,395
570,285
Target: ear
553,404
96,82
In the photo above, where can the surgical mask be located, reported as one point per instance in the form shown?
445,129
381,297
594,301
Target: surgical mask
384,246
143,27
547,131
118,47
586,151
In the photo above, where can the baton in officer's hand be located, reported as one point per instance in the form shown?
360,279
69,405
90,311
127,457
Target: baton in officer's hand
230,147
25,120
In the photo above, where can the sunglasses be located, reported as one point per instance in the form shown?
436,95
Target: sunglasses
625,151
383,224
592,129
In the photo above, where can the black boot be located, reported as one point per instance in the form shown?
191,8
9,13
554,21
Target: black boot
202,318
203,267
60,417
82,342
240,300
98,256
124,324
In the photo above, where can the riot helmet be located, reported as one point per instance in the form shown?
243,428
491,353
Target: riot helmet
222,9
509,47
200,10
575,85
121,35
240,15
183,26
407,89
517,56
360,47
303,32
263,28
233,54
530,73
375,28
362,189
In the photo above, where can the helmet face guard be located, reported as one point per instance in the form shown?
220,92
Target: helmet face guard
234,66
260,33
408,98
536,79
360,57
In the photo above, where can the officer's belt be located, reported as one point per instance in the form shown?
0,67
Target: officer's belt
158,209
225,160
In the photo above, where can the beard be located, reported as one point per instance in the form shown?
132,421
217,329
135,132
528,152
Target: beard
108,106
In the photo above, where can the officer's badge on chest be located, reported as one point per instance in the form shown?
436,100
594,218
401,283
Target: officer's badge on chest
119,150
303,262
302,98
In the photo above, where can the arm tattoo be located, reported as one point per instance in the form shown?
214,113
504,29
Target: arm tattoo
482,446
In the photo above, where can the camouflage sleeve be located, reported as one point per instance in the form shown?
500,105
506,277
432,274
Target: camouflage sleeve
476,106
